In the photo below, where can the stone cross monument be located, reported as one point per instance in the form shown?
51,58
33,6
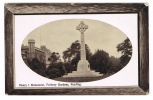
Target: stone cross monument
83,67
83,63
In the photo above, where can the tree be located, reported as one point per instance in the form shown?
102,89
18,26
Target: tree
126,50
71,52
115,65
100,61
53,73
71,56
55,69
37,66
55,57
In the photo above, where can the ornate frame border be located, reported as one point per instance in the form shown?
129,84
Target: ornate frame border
141,9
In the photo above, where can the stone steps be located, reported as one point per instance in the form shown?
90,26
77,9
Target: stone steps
84,73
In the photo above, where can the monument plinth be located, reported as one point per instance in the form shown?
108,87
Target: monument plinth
83,67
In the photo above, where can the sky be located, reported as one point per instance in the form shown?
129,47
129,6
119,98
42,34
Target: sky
58,35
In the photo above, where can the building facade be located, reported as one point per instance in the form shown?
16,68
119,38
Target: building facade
30,52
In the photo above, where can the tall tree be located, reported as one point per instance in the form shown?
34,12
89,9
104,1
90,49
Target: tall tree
71,56
126,50
73,52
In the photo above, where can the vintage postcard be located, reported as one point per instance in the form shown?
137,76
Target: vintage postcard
76,51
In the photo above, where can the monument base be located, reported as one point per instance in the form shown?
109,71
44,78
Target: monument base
83,65
83,70
83,74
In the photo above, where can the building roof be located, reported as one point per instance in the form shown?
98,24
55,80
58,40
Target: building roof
36,48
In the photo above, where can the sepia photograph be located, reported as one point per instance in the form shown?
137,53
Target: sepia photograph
76,49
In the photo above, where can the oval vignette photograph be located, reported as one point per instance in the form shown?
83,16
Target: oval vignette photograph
76,50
